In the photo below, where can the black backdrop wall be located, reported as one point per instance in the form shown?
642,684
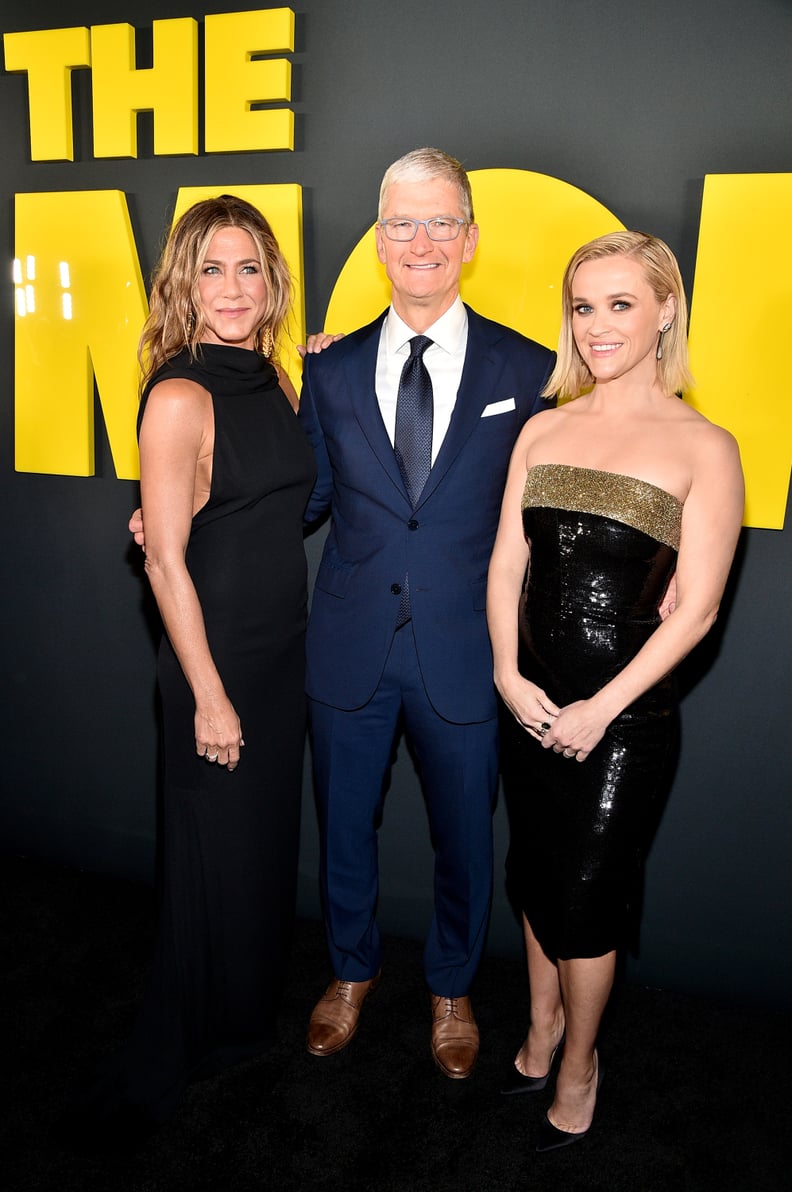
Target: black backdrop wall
633,105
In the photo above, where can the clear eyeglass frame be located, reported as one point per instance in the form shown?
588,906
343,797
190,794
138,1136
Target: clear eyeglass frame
440,227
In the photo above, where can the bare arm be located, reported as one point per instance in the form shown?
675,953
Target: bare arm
711,523
529,704
174,440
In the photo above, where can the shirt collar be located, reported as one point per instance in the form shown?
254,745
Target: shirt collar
449,332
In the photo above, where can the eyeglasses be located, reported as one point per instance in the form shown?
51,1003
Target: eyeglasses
442,227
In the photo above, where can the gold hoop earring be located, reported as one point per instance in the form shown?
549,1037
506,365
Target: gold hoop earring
265,341
663,330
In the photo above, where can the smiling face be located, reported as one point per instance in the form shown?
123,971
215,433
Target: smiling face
424,273
616,318
232,293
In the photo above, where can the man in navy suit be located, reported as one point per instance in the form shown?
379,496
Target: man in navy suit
397,634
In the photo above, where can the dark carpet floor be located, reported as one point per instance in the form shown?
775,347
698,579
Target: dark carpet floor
696,1096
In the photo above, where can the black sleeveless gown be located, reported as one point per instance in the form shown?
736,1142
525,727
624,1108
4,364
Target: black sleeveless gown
230,839
603,548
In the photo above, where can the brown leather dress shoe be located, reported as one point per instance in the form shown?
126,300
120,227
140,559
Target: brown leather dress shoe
455,1037
335,1016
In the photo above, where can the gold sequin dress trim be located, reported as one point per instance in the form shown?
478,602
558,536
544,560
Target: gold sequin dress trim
633,502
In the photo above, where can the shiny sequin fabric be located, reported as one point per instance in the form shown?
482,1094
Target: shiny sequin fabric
603,548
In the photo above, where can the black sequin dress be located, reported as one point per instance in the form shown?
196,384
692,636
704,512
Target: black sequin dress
230,839
603,548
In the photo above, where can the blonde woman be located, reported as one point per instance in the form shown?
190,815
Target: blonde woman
225,475
609,498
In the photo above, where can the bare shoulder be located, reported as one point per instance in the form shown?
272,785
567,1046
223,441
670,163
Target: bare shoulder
702,438
177,410
708,437
542,428
531,429
543,421
176,390
716,475
552,413
176,397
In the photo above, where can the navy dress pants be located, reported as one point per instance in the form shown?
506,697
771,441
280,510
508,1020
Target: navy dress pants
458,768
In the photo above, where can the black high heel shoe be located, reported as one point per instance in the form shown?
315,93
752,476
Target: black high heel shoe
517,1083
551,1138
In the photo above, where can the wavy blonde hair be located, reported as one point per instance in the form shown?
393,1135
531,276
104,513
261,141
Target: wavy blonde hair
175,320
571,375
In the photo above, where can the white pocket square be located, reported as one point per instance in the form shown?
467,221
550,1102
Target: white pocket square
498,407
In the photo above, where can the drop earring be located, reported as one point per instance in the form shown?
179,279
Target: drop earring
265,342
665,328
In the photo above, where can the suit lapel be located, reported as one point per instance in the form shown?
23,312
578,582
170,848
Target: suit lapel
361,368
476,388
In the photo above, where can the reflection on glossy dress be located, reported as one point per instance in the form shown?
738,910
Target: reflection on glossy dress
603,548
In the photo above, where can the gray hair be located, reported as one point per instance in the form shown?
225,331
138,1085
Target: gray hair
424,165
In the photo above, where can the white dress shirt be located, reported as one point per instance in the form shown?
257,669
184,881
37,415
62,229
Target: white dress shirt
444,359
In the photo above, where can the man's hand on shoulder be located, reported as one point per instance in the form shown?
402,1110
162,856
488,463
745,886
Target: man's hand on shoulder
318,342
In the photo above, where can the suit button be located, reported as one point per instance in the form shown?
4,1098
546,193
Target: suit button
396,589
412,525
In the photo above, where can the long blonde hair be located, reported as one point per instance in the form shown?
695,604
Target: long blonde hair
175,320
571,375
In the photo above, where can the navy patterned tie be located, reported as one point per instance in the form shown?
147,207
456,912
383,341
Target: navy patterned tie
412,440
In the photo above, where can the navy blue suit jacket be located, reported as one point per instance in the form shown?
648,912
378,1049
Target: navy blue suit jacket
376,537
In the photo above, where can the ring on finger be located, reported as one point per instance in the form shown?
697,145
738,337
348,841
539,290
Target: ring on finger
543,728
212,757
570,753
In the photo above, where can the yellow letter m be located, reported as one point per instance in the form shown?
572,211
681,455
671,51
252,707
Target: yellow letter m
80,305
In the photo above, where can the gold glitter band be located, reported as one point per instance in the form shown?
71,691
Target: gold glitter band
634,502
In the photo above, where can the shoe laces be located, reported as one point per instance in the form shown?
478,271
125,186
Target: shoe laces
449,1007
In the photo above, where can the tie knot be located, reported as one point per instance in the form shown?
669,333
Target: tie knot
419,344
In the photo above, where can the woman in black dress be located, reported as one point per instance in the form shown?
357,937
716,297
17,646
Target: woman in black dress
225,475
610,498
